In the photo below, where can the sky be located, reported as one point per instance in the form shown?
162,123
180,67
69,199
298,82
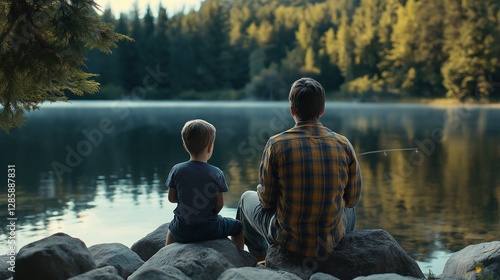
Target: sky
125,6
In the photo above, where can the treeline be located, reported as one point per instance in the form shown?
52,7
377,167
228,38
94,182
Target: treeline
234,49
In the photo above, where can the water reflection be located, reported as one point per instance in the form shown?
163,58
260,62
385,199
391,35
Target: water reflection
93,165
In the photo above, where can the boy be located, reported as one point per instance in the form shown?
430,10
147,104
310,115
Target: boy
197,188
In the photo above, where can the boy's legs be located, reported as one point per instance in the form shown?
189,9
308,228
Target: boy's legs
222,228
256,224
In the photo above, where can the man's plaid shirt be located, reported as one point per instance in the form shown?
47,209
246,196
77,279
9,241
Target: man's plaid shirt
309,174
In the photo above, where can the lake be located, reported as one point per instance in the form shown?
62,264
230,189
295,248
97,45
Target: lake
96,170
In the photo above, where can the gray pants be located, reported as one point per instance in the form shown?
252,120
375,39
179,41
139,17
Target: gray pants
258,223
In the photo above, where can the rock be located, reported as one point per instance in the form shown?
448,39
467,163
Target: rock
168,273
480,261
279,258
117,255
5,260
102,273
386,276
202,260
444,277
58,256
230,251
322,276
250,273
359,253
147,246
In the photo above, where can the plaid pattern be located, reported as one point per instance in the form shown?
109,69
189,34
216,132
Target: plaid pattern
309,174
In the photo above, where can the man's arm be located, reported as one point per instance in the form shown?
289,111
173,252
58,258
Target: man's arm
268,188
352,192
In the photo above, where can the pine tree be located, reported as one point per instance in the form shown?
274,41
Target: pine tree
43,45
128,55
214,62
475,54
344,49
183,41
161,50
105,65
365,37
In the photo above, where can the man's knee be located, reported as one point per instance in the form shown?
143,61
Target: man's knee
246,197
247,194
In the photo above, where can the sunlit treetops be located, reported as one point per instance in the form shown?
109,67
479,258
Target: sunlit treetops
359,48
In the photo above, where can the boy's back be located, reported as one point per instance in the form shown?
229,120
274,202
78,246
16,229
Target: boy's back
197,184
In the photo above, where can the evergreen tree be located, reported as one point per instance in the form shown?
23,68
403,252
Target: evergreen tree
239,19
183,54
128,57
161,49
476,52
344,49
365,37
214,62
401,70
103,64
43,46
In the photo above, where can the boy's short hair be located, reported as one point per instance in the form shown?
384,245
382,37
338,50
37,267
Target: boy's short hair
197,135
307,98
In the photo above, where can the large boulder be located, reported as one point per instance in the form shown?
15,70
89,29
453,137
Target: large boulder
7,265
201,260
323,276
250,273
387,276
167,273
58,256
147,246
480,261
359,253
117,255
102,273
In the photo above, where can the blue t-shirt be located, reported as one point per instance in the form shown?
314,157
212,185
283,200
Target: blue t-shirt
197,184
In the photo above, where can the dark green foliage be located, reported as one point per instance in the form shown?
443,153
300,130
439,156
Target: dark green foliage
43,46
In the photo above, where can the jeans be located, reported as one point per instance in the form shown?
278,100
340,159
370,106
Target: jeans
258,223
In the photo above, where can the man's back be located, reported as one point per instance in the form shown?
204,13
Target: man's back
309,183
309,174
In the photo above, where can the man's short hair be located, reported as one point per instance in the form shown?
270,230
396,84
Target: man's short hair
307,98
197,135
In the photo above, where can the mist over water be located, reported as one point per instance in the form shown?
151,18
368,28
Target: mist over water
96,170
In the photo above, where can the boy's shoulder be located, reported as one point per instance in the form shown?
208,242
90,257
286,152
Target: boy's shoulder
196,165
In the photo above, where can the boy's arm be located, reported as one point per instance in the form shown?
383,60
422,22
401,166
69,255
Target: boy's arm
219,203
172,195
170,183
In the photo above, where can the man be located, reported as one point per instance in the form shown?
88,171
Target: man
310,182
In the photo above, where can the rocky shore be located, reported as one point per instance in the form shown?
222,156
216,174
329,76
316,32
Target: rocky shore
364,254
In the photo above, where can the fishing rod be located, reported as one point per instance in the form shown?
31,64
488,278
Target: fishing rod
388,150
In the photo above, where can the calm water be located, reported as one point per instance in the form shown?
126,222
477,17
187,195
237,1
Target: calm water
96,170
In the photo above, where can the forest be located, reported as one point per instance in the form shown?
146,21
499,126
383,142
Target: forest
255,49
